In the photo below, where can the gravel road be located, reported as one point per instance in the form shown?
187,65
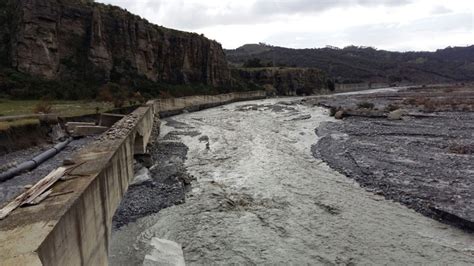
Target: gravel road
261,197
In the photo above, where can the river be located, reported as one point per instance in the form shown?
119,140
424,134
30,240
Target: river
261,197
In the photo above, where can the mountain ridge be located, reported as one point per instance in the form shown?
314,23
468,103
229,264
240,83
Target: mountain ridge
354,64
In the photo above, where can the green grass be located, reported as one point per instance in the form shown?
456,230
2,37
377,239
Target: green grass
16,123
61,108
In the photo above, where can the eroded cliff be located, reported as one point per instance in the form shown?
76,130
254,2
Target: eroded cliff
79,39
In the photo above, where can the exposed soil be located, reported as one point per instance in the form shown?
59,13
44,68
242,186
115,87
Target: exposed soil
23,137
424,161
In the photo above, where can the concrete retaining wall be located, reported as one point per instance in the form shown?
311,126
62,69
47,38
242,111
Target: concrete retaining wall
359,86
74,228
174,106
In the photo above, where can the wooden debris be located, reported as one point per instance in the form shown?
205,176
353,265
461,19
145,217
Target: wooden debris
31,194
38,199
45,183
60,193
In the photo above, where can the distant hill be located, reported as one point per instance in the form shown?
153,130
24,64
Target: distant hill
365,64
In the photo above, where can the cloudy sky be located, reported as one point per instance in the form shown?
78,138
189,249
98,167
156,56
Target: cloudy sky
385,24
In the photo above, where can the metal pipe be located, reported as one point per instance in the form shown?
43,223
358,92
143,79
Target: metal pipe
33,163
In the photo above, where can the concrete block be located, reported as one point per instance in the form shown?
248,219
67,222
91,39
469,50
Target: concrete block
71,126
164,252
48,118
81,131
108,120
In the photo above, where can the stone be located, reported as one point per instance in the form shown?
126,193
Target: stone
339,114
81,131
68,162
141,176
396,115
108,120
164,252
71,126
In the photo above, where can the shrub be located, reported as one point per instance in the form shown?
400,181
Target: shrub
165,95
253,63
137,98
105,94
461,149
333,111
43,107
331,85
120,97
392,107
114,93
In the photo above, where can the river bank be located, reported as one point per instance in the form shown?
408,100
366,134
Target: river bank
422,159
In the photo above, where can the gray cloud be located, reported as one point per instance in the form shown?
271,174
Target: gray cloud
193,16
310,6
442,28
385,36
438,10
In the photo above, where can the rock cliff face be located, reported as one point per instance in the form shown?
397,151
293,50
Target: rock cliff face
284,81
78,39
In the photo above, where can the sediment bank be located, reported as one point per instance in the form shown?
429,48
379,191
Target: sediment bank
423,160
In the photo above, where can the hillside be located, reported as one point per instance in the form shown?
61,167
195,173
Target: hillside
364,64
68,41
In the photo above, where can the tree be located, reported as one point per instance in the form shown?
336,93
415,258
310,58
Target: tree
254,62
331,85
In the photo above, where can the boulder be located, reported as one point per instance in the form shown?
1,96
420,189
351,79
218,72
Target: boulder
396,115
164,252
339,114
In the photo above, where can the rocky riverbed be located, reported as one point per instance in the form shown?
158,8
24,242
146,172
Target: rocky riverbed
424,159
260,196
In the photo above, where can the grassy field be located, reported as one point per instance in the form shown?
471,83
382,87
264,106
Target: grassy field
61,108
22,122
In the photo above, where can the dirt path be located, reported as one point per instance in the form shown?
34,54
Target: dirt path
261,197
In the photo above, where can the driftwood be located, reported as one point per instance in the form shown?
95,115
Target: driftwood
30,196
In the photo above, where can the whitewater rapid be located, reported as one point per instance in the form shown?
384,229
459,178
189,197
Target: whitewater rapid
261,197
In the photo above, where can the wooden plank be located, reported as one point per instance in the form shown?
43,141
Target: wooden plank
40,198
35,191
44,184
60,193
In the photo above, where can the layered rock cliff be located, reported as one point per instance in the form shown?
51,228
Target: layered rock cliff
284,81
79,39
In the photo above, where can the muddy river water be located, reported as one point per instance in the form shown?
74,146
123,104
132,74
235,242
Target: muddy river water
261,197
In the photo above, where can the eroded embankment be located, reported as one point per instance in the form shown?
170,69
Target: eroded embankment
261,197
